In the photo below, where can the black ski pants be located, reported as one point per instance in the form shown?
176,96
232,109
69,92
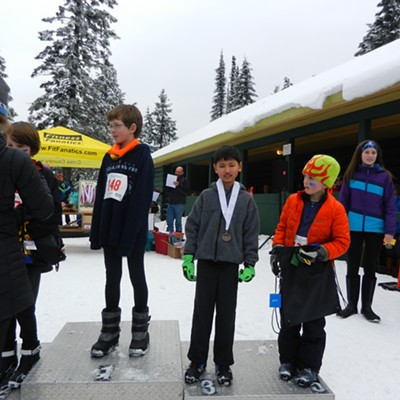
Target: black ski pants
4,327
27,318
216,289
303,349
113,264
363,251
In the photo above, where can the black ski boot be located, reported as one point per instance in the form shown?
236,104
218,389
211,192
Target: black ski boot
353,292
140,335
286,371
28,359
109,336
367,295
224,375
306,377
8,364
194,371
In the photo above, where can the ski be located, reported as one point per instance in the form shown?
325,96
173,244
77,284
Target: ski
317,387
5,390
208,387
104,372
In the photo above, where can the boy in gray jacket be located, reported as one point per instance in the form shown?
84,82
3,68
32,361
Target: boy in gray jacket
222,232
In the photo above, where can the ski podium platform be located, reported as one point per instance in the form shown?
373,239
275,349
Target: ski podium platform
255,376
66,370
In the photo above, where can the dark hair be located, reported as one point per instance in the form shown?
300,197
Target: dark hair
129,114
3,122
25,134
227,153
356,160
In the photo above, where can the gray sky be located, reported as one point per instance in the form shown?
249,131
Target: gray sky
176,45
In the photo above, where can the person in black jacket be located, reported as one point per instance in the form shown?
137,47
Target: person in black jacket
177,200
18,174
120,224
23,136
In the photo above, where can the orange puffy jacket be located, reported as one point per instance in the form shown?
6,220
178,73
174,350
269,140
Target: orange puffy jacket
329,228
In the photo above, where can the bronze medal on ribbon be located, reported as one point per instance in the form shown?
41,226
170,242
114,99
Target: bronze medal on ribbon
226,237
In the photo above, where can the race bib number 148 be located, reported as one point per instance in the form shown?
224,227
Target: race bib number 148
116,186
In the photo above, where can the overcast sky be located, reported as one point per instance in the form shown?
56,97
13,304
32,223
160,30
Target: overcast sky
176,45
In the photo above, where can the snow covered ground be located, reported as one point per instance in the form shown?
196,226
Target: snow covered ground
361,360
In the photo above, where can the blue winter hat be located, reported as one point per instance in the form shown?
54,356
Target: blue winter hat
369,145
4,90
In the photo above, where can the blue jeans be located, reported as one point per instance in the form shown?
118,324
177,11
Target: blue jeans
175,212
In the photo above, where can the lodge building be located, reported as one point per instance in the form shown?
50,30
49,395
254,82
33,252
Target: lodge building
329,113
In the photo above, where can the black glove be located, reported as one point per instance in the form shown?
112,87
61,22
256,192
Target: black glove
274,261
310,254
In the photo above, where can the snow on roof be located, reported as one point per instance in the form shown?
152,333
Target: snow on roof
359,77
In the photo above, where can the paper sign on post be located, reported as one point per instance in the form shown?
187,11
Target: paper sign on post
170,180
150,222
155,195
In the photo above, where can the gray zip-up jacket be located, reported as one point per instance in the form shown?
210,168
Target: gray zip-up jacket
206,224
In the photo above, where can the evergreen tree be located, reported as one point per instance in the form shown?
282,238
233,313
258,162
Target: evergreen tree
246,91
384,30
164,126
232,98
11,112
286,83
149,135
218,107
82,85
110,94
276,89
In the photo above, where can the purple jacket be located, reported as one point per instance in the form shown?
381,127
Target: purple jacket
369,199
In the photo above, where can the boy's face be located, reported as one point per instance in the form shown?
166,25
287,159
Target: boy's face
227,171
313,186
122,134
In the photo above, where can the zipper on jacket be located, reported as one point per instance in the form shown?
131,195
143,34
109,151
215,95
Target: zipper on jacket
366,191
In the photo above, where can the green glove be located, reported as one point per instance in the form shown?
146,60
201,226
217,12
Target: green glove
188,267
247,273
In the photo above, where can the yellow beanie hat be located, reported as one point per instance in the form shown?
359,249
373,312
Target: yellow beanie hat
324,168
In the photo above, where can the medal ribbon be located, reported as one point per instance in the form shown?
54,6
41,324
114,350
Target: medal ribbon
227,209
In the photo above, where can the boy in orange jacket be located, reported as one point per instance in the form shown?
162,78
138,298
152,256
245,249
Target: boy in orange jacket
313,230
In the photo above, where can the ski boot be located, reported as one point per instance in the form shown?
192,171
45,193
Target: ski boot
140,336
8,364
306,377
109,336
193,373
353,292
367,295
224,375
286,371
28,359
